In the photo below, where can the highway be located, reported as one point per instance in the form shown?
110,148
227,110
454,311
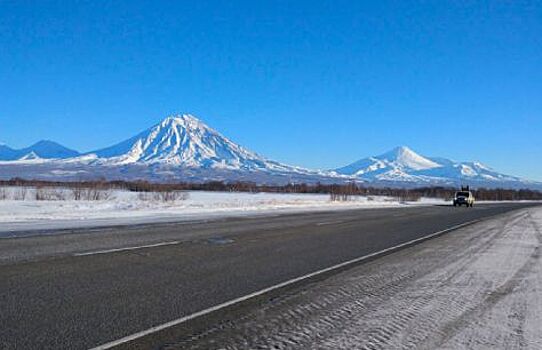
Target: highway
78,289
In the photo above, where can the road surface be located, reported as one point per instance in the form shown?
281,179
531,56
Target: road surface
478,288
83,288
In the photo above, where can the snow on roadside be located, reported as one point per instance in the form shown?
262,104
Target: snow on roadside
127,207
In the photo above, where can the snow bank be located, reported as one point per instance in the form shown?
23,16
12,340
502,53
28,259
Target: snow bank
123,207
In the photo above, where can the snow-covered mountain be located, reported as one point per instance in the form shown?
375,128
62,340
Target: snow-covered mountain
397,162
44,149
185,141
183,148
403,165
179,148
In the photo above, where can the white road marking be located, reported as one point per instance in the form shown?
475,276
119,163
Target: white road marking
269,289
107,251
329,223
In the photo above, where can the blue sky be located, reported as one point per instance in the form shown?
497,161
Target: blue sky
312,83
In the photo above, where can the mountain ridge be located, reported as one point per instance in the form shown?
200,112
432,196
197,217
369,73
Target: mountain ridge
182,147
45,149
403,164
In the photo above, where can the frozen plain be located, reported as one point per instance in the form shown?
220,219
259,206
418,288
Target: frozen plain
124,208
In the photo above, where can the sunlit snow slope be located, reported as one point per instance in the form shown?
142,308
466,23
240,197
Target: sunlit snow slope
184,140
404,165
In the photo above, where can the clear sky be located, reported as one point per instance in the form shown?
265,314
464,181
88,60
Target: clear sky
311,83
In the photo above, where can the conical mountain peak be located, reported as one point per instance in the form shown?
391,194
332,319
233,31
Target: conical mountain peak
183,140
398,160
181,119
405,157
402,149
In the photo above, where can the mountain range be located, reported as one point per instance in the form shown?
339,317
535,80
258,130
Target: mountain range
43,149
404,166
183,148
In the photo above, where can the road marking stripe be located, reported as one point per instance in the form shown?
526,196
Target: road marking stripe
107,251
329,223
270,289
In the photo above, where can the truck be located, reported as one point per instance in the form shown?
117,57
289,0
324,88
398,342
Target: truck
464,196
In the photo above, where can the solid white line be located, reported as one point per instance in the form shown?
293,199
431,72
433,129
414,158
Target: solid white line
329,223
267,290
107,251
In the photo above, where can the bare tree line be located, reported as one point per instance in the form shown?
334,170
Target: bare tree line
163,196
18,189
92,190
46,193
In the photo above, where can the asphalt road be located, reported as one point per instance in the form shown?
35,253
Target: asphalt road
478,288
52,297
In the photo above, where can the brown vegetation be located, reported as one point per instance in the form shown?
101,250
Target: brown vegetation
163,196
95,190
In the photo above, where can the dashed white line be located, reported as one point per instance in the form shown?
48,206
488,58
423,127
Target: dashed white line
329,223
184,319
107,251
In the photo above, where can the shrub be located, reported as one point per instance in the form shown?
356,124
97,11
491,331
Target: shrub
21,193
164,196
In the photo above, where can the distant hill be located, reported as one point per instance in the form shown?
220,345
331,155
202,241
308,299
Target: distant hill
43,149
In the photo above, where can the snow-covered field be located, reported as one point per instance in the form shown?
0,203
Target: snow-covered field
479,287
123,207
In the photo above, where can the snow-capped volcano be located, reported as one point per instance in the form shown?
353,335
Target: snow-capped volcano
399,159
403,165
183,148
179,148
406,158
185,141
